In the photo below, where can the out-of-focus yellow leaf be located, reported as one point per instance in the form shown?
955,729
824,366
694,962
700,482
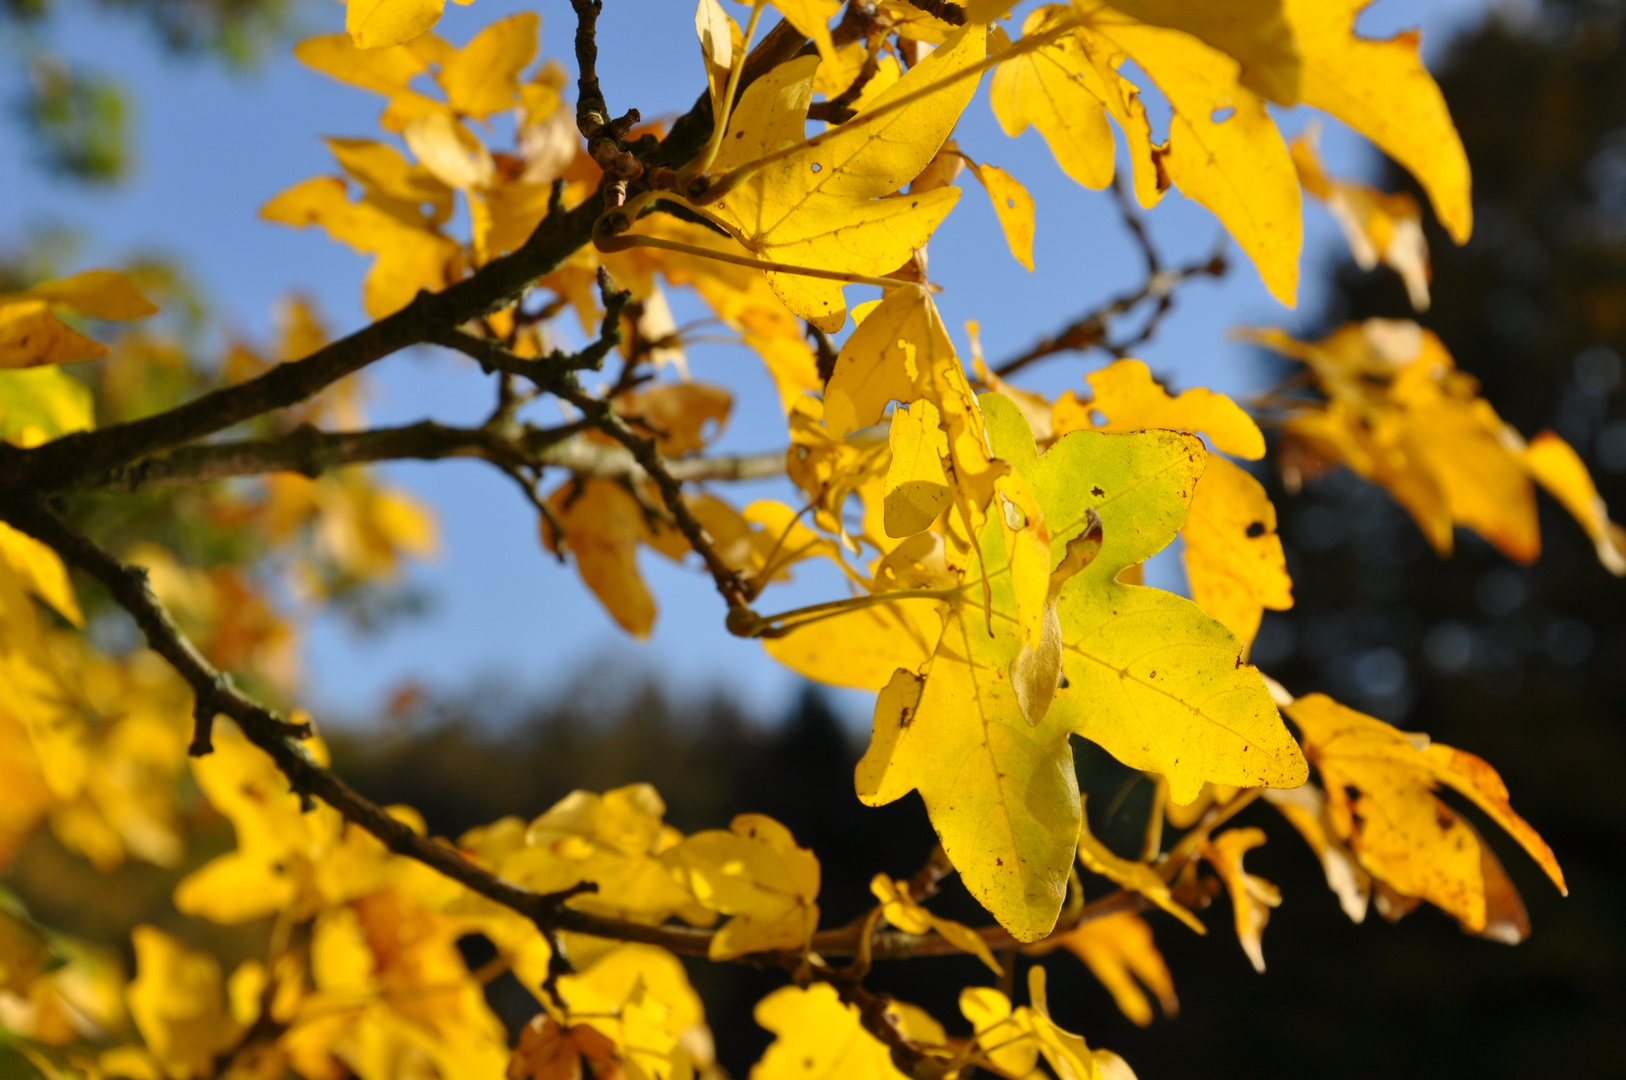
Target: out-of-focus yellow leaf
408,259
41,404
378,24
1379,227
1558,468
603,526
812,18
640,997
903,911
817,1037
1119,950
39,570
391,183
101,294
819,207
32,335
755,873
483,76
1127,399
1251,897
614,840
178,1004
1234,560
1382,90
1379,784
1136,876
682,417
1068,1054
1014,207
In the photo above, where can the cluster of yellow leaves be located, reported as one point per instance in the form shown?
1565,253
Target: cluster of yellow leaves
1376,822
1399,413
31,334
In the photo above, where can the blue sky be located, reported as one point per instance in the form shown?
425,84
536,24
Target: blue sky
212,146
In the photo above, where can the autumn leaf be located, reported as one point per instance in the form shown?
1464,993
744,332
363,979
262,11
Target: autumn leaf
755,873
1057,89
1557,467
1129,874
1378,226
1125,398
1382,90
1014,208
617,841
1380,787
1306,809
408,259
639,997
378,24
1119,951
178,1003
1149,677
1234,560
483,76
819,207
817,1037
603,526
32,335
1252,897
1254,32
904,912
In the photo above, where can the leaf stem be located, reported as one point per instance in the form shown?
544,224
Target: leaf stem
719,128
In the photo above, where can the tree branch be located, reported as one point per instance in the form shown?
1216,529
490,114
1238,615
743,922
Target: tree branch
65,461
310,452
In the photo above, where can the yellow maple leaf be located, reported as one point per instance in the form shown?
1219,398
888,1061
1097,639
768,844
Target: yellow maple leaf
615,840
378,24
1252,897
818,1037
1119,950
1305,808
909,915
1234,560
483,76
1382,90
1254,32
819,207
640,998
1149,677
1129,874
408,259
755,873
603,525
1380,786
1557,467
178,1003
32,335
1378,226
1126,398
1014,208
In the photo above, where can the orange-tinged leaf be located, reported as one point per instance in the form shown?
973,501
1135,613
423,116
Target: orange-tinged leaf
819,206
1382,90
1234,561
1379,227
682,417
1379,784
31,336
1252,897
1120,952
483,76
1126,398
603,526
378,24
177,1001
408,259
1558,468
1306,809
101,294
1014,207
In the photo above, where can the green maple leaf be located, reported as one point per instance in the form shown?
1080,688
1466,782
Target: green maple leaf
1148,676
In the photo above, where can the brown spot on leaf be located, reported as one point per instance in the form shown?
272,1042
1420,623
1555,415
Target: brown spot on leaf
1257,529
1097,492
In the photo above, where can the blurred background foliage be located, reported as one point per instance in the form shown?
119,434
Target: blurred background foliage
1524,666
79,119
